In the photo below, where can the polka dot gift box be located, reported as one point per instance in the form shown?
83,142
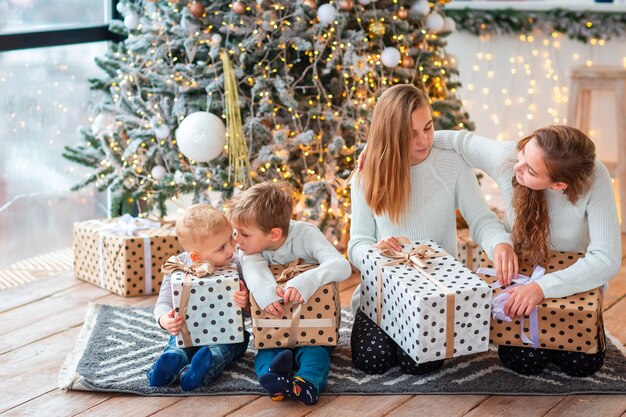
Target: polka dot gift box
469,253
571,323
426,300
314,323
123,255
206,302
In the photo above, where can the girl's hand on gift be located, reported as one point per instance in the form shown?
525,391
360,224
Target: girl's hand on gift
242,297
292,295
523,299
505,263
170,323
389,243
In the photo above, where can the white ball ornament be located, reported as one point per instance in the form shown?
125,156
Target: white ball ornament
201,136
120,7
434,22
449,25
158,172
216,39
390,57
162,132
420,7
131,21
326,13
102,121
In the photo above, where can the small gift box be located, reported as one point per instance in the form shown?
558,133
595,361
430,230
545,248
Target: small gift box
203,295
570,323
427,301
314,323
123,255
469,253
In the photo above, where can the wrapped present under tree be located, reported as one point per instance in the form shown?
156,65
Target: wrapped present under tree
571,323
426,300
314,323
203,295
469,253
123,255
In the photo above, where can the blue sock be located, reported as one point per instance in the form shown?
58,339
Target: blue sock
282,363
303,391
197,370
165,369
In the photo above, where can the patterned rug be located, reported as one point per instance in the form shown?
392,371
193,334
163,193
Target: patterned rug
117,345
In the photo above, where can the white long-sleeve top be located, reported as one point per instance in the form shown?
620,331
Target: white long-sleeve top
590,225
304,241
439,185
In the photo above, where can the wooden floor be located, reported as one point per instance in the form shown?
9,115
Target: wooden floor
40,322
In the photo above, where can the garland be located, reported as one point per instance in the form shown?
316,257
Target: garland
583,26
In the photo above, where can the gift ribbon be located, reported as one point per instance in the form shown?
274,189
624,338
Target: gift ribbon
416,258
128,225
292,270
197,269
498,302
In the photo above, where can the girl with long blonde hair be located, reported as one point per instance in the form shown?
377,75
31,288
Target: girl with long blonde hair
557,197
406,188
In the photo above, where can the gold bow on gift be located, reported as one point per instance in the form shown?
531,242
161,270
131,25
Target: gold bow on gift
197,269
416,258
293,269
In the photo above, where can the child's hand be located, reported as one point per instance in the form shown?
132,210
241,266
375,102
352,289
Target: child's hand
170,323
241,297
275,309
292,295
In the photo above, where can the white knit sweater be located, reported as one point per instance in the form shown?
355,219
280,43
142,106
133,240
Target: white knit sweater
590,225
439,185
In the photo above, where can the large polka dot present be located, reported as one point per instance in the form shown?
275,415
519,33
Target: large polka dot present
211,315
426,300
469,253
571,323
314,323
123,255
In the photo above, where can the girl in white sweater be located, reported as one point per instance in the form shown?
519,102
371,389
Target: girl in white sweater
406,188
557,196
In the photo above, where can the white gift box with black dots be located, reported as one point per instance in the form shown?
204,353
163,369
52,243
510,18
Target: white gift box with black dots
443,316
212,317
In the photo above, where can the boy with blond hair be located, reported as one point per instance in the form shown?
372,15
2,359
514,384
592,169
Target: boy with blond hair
207,237
266,235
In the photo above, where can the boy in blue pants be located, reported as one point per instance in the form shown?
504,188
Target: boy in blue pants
266,235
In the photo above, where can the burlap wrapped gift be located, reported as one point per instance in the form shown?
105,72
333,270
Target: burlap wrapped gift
469,253
571,323
203,295
314,323
123,255
426,300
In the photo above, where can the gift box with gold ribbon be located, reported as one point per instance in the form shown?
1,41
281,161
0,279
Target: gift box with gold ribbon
469,253
314,323
426,300
123,255
203,295
571,323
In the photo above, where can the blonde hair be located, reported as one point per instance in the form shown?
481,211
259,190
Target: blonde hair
569,155
199,223
266,206
385,176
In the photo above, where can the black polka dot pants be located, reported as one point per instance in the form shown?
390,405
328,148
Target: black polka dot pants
525,361
408,365
530,361
373,351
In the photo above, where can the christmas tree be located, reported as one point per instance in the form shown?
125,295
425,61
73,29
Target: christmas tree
294,82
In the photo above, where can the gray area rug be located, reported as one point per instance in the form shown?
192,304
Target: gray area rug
118,344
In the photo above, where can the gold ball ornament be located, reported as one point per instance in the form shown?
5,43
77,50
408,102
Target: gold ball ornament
377,28
239,7
311,3
345,5
408,62
196,9
402,13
